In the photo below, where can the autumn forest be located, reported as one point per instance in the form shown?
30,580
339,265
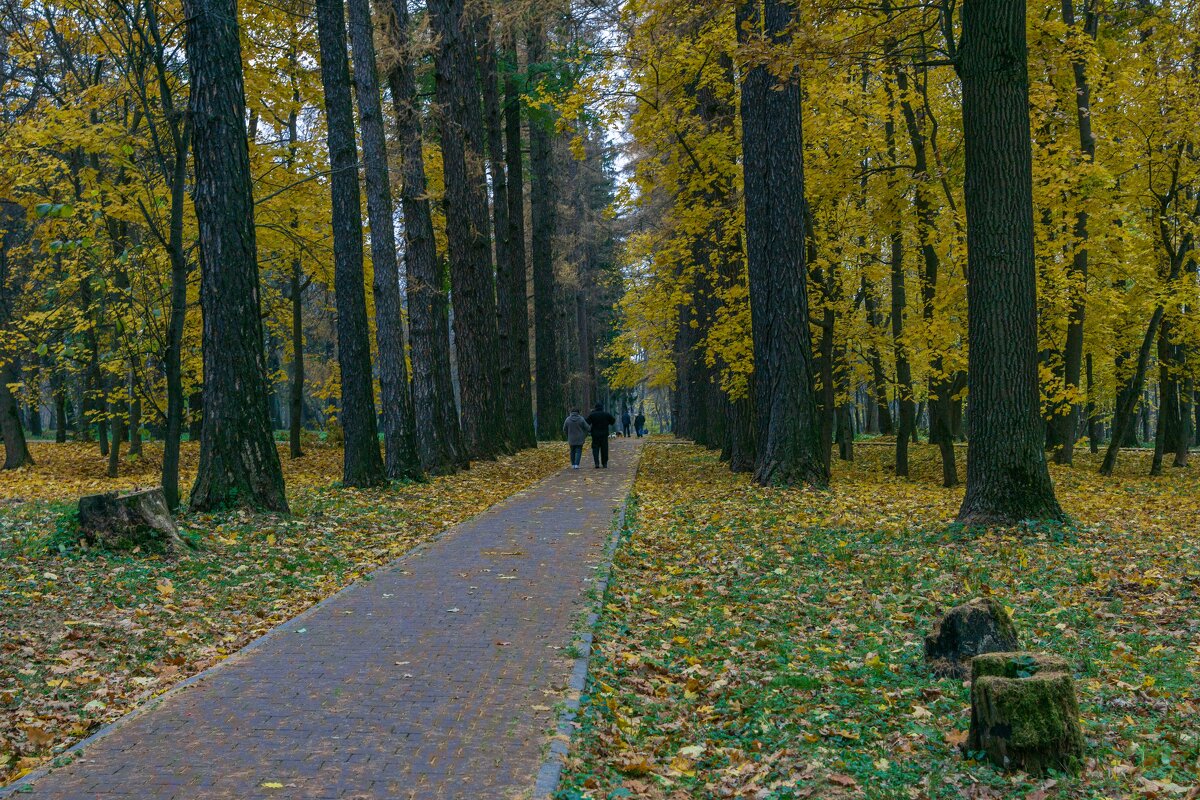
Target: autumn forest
886,312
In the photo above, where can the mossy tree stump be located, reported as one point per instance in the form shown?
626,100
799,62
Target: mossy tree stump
968,630
124,521
1024,714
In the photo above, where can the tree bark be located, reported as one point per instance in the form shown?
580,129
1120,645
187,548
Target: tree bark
296,383
788,428
1007,477
239,464
513,277
1124,419
551,398
403,462
439,437
1067,419
468,229
508,218
940,385
361,464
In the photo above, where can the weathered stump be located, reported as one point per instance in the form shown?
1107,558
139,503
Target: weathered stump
122,521
971,629
1024,714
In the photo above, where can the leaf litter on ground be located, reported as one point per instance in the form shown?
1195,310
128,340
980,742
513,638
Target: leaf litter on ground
88,634
767,643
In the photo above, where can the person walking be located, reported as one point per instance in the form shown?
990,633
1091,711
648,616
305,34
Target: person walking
626,423
576,428
599,421
639,424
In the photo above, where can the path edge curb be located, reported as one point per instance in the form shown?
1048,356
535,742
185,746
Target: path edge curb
549,775
24,784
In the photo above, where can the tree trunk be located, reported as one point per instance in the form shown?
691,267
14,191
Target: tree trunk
403,462
1123,415
1093,420
296,384
468,229
511,305
550,397
904,384
439,437
16,451
788,429
1007,478
1068,419
118,436
60,415
512,277
361,464
940,385
879,382
239,464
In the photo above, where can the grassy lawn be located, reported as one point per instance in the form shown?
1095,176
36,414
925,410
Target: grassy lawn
88,635
764,643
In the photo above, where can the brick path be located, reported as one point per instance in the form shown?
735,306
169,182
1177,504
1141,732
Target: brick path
437,678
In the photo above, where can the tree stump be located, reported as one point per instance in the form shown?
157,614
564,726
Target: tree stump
123,521
1024,714
968,630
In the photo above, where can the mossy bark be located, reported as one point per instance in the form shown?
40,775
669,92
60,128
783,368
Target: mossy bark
1024,714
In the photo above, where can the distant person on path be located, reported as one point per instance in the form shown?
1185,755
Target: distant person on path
576,428
639,424
600,421
626,423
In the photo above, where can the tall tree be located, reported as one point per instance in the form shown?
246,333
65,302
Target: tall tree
468,228
361,464
508,203
439,438
1067,419
399,427
238,460
551,387
788,427
1007,477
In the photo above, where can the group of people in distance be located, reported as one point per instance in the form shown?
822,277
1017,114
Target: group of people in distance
577,427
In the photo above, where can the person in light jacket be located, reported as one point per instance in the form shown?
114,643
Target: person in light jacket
576,428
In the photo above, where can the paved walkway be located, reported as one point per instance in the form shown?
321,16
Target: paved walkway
435,679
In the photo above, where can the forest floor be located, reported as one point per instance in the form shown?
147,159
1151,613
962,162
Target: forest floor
89,635
765,643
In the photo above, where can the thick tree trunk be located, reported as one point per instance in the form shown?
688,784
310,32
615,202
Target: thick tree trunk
1068,419
508,202
439,437
788,434
512,297
1007,478
16,451
468,229
361,464
403,462
542,200
239,464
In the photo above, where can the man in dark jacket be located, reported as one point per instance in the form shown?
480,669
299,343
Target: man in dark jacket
639,424
626,423
600,421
